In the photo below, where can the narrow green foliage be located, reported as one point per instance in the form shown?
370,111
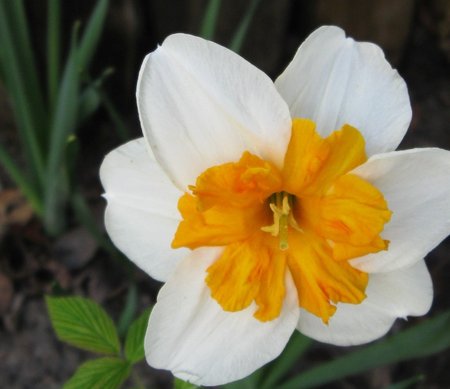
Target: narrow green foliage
408,383
180,384
22,181
92,32
85,217
46,125
296,347
270,375
90,97
422,340
102,373
84,324
119,125
129,311
134,342
27,63
241,32
63,124
209,22
250,382
13,67
53,49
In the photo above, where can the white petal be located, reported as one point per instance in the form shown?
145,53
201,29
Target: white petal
141,216
401,293
201,105
334,80
416,185
191,335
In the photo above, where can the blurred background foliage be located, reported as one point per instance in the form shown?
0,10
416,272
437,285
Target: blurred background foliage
68,73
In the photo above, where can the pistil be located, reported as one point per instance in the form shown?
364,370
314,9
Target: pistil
281,205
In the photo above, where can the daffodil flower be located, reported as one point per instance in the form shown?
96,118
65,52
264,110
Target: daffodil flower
269,207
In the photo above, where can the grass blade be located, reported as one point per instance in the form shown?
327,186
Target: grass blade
91,35
294,350
119,125
408,383
128,311
209,22
84,217
63,124
90,97
21,181
20,94
27,66
53,49
241,32
422,340
180,384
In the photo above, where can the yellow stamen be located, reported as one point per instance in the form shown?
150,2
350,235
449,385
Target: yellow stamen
281,206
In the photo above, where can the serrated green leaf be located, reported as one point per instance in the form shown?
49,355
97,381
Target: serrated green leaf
102,373
180,384
424,339
84,324
134,342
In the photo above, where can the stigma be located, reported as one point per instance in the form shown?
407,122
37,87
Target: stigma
281,204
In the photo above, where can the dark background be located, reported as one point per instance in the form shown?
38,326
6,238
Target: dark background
416,38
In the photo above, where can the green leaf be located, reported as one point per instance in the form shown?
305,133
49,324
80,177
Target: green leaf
128,311
92,32
113,113
424,339
250,382
90,99
84,216
180,384
102,373
209,21
27,64
19,90
84,324
7,162
241,31
134,342
408,383
294,350
63,124
53,48
268,376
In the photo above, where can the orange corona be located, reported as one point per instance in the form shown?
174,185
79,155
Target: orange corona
306,221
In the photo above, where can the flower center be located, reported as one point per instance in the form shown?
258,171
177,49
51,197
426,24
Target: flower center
307,220
281,204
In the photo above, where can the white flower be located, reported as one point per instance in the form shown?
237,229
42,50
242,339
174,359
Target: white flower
290,224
